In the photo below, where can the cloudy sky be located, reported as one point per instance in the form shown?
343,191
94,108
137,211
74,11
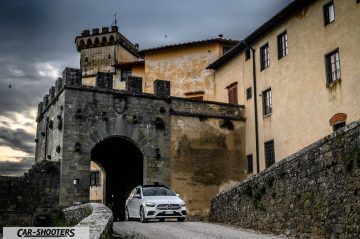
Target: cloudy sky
37,42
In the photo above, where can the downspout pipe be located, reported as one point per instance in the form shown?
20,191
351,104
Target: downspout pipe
255,109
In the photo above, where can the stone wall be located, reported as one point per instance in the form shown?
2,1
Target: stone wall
311,194
96,216
23,199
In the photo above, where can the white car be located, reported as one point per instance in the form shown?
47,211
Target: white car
154,202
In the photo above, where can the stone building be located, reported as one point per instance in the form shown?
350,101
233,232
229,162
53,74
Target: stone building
131,137
297,76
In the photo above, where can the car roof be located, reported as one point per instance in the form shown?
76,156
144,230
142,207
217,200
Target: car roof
155,186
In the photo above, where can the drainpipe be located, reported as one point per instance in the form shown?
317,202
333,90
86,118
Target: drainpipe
255,109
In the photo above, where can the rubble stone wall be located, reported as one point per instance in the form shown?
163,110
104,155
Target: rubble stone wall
23,199
314,193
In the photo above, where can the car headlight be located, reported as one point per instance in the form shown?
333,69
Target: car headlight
150,204
182,204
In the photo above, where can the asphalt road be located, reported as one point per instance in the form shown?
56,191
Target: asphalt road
188,230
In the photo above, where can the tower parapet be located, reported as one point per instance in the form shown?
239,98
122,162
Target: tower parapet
95,38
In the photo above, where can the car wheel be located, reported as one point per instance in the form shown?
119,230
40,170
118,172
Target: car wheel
127,217
180,219
162,220
142,215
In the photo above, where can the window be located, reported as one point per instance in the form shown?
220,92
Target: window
248,93
333,66
95,178
264,57
267,102
249,163
269,153
329,13
226,49
232,94
282,45
247,54
125,73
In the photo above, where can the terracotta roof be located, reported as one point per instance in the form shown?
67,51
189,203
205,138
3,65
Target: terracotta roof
186,44
267,27
130,63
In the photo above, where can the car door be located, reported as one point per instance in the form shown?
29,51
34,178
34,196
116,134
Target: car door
134,203
130,203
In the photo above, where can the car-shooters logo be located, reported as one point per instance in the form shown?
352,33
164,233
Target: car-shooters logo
46,232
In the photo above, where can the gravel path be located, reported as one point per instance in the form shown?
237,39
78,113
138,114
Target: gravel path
188,230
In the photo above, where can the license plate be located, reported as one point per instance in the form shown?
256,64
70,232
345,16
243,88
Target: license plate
168,212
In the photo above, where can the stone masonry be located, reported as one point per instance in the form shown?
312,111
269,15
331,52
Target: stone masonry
23,199
311,194
76,118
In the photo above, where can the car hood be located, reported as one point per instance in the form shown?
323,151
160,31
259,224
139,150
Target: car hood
163,199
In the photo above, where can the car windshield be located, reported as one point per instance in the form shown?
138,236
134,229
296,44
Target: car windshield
157,191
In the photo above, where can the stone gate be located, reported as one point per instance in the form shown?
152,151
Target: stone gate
193,146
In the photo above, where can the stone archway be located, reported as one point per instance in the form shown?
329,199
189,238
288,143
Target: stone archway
123,163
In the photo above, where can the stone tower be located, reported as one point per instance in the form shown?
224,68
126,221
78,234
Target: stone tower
100,51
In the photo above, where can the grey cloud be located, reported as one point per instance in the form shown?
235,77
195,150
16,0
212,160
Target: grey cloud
11,168
17,139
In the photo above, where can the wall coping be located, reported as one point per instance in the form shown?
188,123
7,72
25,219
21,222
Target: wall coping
99,221
294,157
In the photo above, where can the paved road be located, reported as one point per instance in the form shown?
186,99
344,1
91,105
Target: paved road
188,230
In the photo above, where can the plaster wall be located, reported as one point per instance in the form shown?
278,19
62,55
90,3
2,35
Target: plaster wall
206,158
185,68
303,102
97,192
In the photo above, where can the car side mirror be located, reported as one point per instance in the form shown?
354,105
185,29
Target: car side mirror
177,194
137,196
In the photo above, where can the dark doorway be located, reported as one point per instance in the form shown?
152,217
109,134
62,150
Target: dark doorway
123,164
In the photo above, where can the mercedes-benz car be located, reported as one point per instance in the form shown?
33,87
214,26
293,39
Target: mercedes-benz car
154,202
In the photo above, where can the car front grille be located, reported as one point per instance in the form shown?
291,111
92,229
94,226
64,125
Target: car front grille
168,206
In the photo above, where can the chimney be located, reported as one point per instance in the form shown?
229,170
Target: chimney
137,46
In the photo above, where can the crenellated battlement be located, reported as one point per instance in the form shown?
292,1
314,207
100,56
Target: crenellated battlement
104,81
105,37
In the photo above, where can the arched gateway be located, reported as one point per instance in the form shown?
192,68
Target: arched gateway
122,163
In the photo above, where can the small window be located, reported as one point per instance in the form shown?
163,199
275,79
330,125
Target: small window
333,72
269,153
282,45
247,54
232,94
248,93
338,126
267,102
249,163
125,73
264,57
226,49
329,13
95,178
